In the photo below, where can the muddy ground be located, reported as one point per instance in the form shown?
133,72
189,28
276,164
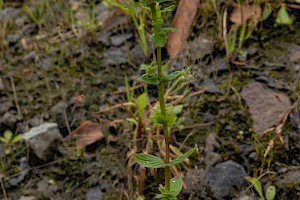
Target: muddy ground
55,67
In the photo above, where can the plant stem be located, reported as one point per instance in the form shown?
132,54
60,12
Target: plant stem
163,112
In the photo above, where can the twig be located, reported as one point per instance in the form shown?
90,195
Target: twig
15,96
115,107
225,33
3,188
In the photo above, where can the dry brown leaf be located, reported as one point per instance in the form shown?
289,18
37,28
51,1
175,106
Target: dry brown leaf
185,14
78,100
87,133
242,13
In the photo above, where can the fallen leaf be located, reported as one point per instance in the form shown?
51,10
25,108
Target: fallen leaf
79,100
87,133
184,17
242,13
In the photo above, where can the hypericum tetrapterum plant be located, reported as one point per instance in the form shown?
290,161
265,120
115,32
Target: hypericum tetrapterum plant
164,114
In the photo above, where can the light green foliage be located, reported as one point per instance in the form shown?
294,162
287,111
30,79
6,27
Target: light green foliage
181,158
141,103
175,188
283,16
270,193
9,139
150,161
171,115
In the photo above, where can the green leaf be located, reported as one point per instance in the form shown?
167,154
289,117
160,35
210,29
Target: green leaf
267,12
161,1
169,29
149,80
271,192
297,1
17,138
158,40
177,109
175,186
169,8
257,185
165,66
283,16
175,189
150,161
4,140
182,157
132,120
169,119
8,135
142,102
171,76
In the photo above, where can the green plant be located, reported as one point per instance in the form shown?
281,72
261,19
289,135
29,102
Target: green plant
138,18
270,192
9,140
37,14
164,115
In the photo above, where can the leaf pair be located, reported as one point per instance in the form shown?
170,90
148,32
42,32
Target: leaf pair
153,79
175,188
151,161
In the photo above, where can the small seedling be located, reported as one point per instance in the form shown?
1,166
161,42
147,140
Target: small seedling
9,139
270,192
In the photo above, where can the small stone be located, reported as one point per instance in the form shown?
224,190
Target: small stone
94,193
113,56
265,106
41,140
117,40
6,106
210,87
289,178
9,120
35,120
45,63
27,198
224,176
200,47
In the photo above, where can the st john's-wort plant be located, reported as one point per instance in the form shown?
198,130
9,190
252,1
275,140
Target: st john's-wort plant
165,115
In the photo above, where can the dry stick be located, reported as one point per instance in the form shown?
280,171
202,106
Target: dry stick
15,96
116,106
225,33
3,189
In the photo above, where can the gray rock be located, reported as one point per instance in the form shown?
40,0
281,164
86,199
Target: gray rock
265,105
222,177
4,107
289,178
35,120
13,38
45,63
117,40
210,87
9,120
200,47
41,140
62,115
94,193
27,198
113,56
